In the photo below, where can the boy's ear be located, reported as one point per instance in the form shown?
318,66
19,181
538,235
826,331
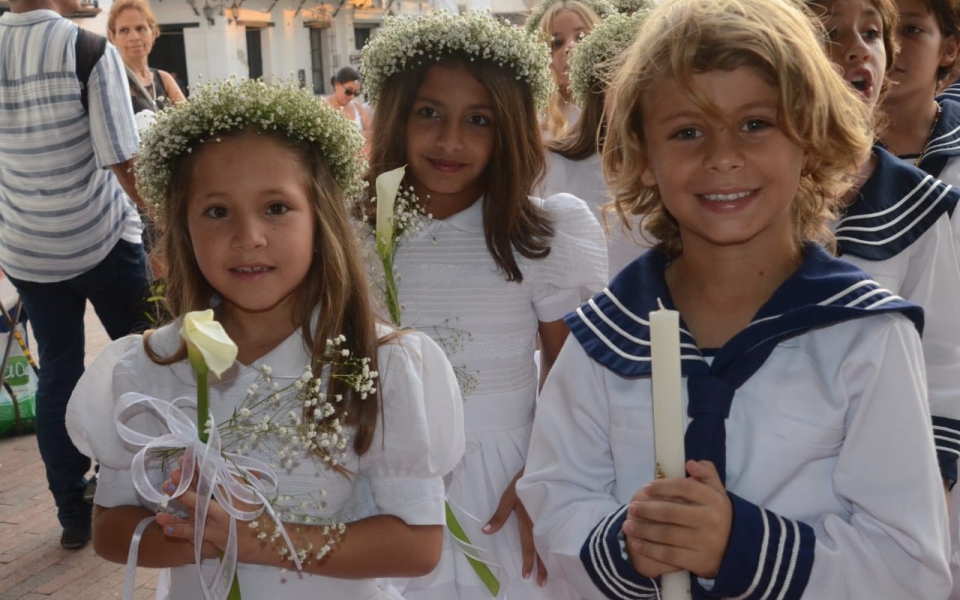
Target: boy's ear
948,50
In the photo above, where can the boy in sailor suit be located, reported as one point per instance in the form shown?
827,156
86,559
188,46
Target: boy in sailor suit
812,471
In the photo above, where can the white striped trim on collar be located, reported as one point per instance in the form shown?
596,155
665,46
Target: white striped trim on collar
899,233
874,289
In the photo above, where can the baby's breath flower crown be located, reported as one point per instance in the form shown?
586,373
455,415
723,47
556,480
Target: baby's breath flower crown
405,42
628,7
603,8
590,59
232,104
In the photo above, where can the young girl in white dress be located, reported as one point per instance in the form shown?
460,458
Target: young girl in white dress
573,161
811,468
494,268
561,24
249,180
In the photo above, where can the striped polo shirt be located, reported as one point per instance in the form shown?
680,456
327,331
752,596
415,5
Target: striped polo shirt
61,209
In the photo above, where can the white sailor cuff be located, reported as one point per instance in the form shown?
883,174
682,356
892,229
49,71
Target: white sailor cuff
768,556
605,559
946,434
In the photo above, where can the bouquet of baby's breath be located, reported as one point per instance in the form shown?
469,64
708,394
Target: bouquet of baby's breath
299,420
294,424
277,427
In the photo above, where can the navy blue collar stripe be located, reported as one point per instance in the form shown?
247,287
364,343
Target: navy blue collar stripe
906,198
896,205
950,136
638,319
823,291
899,232
948,146
644,344
853,288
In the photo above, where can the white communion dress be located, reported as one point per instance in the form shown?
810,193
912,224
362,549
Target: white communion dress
450,289
418,440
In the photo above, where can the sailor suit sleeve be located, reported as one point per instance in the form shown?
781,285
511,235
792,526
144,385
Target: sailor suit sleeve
569,480
933,281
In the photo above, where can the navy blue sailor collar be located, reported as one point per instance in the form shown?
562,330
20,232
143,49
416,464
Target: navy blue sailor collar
944,141
613,329
895,206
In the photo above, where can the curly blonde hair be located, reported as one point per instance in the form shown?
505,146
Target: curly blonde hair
818,110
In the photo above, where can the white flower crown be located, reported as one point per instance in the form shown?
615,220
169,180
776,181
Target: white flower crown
603,8
628,7
405,42
591,58
230,105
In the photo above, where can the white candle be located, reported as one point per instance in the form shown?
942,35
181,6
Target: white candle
668,420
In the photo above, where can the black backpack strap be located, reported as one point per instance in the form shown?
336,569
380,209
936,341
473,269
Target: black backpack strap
90,48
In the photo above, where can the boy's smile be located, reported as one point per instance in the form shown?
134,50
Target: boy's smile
728,175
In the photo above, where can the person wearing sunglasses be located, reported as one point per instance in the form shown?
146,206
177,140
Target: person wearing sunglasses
346,89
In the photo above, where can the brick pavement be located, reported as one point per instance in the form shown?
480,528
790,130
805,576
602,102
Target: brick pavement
33,566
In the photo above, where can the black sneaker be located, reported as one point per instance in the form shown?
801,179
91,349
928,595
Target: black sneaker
74,538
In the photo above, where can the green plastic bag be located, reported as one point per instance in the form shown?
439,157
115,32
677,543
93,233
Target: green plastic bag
17,417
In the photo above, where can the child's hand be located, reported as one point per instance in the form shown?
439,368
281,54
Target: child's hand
680,523
509,502
165,520
217,527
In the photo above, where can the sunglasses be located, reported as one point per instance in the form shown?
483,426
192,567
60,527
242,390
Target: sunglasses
350,92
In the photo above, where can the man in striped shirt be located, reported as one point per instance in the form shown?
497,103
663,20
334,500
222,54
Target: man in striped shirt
68,229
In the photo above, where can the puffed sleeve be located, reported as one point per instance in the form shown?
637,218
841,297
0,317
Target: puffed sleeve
121,367
90,420
577,264
420,436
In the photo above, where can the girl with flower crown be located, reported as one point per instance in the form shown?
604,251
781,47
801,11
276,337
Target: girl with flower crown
456,102
250,181
573,160
561,23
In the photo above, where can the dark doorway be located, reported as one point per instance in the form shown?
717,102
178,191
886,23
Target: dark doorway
170,54
254,53
316,60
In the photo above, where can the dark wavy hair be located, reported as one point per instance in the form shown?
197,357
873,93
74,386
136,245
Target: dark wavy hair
510,221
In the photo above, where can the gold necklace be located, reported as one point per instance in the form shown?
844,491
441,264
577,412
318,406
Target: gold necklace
923,152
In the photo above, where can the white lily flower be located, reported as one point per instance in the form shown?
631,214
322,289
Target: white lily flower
206,337
388,184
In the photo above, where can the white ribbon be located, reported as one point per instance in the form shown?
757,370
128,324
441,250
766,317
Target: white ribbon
232,479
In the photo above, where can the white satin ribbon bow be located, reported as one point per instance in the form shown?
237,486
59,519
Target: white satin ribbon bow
240,484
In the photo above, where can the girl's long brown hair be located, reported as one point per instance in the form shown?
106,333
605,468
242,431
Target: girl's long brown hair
336,281
510,221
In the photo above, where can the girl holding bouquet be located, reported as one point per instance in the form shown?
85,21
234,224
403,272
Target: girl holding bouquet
492,270
250,180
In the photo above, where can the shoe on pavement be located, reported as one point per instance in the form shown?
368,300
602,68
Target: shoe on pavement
74,538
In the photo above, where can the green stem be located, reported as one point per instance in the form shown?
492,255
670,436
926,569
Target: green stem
483,571
203,404
234,589
203,415
393,300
